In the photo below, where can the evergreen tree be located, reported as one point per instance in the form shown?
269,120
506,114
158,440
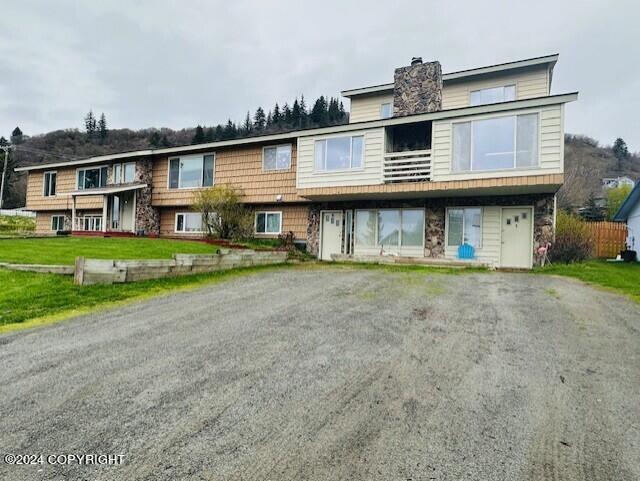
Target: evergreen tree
3,142
295,115
230,131
333,112
102,127
319,114
277,116
164,142
248,125
155,139
90,124
198,137
620,151
304,115
269,125
219,132
344,117
286,116
210,135
16,136
259,120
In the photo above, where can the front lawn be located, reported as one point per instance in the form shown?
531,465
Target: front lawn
620,277
64,250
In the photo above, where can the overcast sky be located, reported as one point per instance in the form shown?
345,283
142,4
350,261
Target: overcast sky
176,64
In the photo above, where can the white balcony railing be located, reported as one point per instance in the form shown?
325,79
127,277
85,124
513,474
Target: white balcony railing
411,166
88,223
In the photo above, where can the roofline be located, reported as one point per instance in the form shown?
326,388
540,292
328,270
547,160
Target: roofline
547,59
623,212
408,119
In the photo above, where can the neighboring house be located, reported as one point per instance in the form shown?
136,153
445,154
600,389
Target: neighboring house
613,182
629,212
427,163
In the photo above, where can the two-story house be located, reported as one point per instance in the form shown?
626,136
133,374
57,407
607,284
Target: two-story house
460,165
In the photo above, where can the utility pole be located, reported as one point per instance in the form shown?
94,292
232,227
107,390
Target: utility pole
4,172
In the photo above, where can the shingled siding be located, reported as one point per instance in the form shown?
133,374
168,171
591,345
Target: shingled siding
240,167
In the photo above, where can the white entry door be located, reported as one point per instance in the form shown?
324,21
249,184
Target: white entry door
331,242
517,237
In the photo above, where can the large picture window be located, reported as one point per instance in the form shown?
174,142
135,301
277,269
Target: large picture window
464,226
50,179
277,157
92,177
339,153
268,222
390,228
191,171
493,95
189,222
496,144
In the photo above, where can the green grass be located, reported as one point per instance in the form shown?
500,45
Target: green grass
620,277
12,225
28,299
64,250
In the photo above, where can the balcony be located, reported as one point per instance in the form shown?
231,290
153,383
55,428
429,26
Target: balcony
411,166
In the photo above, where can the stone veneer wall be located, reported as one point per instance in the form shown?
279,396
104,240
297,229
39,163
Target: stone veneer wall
147,216
417,89
435,217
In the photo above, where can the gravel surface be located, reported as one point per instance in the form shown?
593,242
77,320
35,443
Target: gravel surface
335,374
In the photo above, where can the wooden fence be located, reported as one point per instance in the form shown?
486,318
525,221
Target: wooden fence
608,238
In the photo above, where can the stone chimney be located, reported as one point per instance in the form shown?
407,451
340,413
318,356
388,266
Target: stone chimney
417,88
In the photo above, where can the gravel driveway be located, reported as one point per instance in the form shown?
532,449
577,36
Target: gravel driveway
335,374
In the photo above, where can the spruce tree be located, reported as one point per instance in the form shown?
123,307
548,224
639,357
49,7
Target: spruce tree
16,136
248,125
210,135
164,142
102,127
620,151
333,112
269,124
295,114
277,116
90,124
286,116
319,112
304,115
198,137
259,119
155,139
230,131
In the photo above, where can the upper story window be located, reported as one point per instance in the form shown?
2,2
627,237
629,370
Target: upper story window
124,173
91,177
49,187
339,153
493,95
276,157
386,110
191,171
496,143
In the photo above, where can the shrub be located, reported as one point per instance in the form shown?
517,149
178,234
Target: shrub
222,213
573,240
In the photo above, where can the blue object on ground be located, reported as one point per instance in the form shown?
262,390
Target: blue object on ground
466,251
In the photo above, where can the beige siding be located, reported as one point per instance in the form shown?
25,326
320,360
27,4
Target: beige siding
533,82
489,251
367,107
43,221
240,167
370,174
550,147
294,218
66,182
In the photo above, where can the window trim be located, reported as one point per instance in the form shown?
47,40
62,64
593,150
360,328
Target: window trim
93,167
122,170
57,216
446,225
348,169
376,244
204,154
470,120
276,169
514,84
44,183
390,104
255,222
175,224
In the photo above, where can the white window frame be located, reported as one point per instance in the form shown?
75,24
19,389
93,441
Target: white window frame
277,146
57,217
44,183
348,169
175,225
122,169
470,120
84,169
265,212
203,155
509,84
376,244
390,104
446,225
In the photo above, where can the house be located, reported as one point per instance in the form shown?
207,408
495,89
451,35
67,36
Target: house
629,212
613,182
452,165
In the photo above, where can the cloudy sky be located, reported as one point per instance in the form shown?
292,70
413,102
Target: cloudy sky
176,64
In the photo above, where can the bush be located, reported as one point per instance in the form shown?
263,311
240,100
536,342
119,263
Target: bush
573,240
222,213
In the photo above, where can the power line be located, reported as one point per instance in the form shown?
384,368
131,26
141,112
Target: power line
44,152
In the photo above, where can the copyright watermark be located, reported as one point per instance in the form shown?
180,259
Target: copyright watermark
64,459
